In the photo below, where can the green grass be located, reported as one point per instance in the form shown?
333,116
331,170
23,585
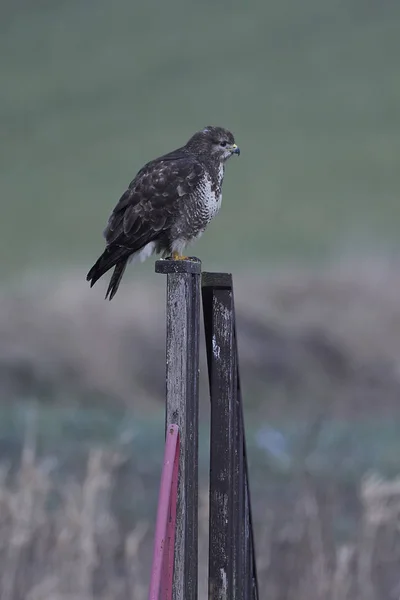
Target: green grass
91,90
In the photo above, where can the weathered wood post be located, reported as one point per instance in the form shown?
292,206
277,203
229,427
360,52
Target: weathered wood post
232,569
182,406
226,459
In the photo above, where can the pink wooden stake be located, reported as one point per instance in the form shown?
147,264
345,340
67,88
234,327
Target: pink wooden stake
169,551
166,515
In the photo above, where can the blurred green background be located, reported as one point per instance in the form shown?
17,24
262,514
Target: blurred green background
89,92
92,90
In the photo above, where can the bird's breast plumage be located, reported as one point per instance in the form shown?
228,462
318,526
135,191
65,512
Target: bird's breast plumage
209,197
203,203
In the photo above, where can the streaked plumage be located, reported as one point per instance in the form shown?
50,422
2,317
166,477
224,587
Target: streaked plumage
169,204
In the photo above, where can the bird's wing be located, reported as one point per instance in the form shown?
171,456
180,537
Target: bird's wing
152,200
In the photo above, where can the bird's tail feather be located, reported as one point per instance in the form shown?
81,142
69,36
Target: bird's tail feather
116,278
107,260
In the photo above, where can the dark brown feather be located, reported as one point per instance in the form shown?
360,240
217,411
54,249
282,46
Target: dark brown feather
116,278
145,211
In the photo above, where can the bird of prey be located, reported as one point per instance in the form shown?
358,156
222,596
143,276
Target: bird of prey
168,205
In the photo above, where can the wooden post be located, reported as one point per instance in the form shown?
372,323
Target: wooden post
225,564
232,569
183,332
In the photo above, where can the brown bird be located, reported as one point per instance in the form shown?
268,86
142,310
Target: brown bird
168,205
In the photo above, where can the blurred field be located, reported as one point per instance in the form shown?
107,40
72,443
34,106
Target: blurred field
309,228
60,538
83,380
92,90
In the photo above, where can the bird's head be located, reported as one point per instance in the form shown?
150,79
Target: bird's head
214,142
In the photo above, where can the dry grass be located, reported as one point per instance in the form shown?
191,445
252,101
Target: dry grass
60,541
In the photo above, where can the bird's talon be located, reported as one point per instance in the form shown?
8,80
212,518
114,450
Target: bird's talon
176,256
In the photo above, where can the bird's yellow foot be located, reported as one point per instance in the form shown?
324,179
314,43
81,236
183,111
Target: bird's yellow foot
177,256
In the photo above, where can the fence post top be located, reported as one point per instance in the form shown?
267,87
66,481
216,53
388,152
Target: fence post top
216,280
166,266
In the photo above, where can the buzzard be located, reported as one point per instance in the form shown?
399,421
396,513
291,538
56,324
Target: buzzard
168,205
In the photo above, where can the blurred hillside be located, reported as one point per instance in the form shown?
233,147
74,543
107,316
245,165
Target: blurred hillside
311,341
92,90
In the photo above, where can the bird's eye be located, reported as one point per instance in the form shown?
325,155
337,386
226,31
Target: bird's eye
223,144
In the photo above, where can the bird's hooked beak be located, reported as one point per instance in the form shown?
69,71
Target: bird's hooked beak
235,149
